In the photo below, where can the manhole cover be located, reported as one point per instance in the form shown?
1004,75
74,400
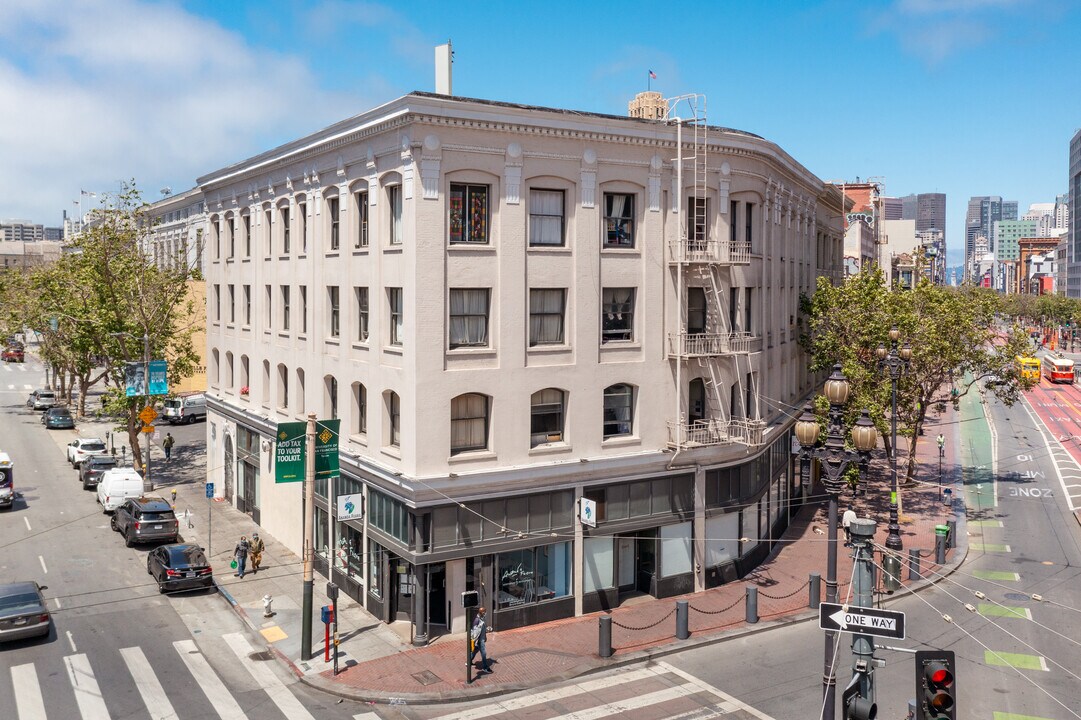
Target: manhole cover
426,678
263,655
1017,596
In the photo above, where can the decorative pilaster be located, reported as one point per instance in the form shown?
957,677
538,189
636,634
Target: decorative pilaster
654,183
512,174
430,160
373,179
724,182
407,168
589,178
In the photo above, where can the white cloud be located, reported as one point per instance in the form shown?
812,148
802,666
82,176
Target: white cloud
94,93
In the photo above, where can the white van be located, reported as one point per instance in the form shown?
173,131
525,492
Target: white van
117,485
185,408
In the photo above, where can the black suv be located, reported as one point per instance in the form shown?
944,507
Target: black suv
145,519
91,469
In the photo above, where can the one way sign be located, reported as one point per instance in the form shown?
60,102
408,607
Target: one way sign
862,620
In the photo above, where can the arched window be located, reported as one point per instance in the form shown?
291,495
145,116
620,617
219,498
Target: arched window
229,369
618,410
360,409
330,397
546,415
245,376
299,404
266,382
215,370
469,423
283,386
394,418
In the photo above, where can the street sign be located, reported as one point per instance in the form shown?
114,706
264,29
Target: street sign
209,490
289,452
148,428
148,415
862,620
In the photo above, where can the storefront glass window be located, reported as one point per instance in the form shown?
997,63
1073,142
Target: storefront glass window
350,556
554,571
534,575
599,564
675,549
376,560
722,539
322,540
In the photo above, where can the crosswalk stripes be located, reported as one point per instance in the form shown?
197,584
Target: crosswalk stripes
150,689
261,672
87,693
211,685
28,702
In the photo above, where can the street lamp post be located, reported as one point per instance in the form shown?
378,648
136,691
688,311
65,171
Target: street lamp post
896,361
835,459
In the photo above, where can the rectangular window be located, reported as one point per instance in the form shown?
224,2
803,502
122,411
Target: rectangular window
303,309
696,310
361,199
394,301
247,236
247,305
698,221
598,559
748,218
217,303
733,309
747,317
469,318
619,220
232,237
362,313
733,222
546,417
394,200
533,575
284,220
285,307
332,210
269,315
468,206
547,309
302,209
617,314
215,229
334,310
545,218
232,304
268,235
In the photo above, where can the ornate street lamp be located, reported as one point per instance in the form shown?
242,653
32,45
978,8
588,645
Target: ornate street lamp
896,361
834,459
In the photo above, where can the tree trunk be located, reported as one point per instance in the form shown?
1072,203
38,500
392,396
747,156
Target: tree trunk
84,387
134,425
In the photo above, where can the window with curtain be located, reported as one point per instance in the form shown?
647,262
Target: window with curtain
468,423
619,220
332,212
469,318
333,299
283,212
545,218
285,307
394,415
394,200
618,410
547,308
394,301
362,313
361,201
360,409
468,214
546,417
696,310
617,314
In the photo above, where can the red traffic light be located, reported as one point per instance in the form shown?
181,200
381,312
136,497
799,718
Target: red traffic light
938,675
935,691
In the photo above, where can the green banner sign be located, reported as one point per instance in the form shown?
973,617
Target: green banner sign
289,452
326,448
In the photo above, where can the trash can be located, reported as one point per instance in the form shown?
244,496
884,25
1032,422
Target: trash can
943,530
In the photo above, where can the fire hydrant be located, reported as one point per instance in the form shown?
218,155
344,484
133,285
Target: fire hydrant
267,611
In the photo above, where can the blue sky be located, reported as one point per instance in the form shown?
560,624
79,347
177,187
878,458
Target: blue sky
966,97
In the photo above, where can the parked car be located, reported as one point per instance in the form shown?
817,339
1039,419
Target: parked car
82,448
145,519
117,485
7,481
58,418
22,611
13,354
41,399
185,408
180,567
93,467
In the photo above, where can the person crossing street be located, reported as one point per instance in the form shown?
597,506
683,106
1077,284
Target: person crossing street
257,547
167,445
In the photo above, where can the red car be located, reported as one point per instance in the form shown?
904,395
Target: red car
13,354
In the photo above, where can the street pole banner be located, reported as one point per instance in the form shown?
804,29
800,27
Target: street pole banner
289,452
159,377
326,448
134,379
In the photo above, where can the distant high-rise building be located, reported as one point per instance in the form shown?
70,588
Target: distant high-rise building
1073,268
928,210
982,213
21,231
54,234
892,208
1062,211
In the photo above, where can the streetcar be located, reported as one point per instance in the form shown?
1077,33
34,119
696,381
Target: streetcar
1058,369
1028,367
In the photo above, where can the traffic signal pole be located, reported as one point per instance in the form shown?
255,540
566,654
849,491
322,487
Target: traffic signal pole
859,698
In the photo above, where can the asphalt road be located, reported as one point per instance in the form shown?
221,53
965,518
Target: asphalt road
1023,541
118,649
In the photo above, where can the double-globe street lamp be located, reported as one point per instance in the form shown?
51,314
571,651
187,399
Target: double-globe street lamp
895,360
835,459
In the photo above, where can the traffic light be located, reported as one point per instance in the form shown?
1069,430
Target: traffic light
935,685
854,705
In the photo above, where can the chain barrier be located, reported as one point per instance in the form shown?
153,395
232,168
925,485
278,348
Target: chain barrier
784,597
737,601
644,627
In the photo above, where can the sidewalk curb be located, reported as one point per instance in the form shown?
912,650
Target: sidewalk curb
243,615
471,693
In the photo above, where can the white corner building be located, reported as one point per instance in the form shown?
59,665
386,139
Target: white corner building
565,361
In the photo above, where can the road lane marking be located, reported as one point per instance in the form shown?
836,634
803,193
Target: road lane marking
702,685
1014,660
997,575
27,521
87,693
261,672
990,547
153,694
992,610
71,641
622,706
211,685
28,702
1044,431
985,523
57,599
43,568
1014,716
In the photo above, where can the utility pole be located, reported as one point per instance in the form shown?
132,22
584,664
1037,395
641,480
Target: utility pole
309,539
860,695
146,387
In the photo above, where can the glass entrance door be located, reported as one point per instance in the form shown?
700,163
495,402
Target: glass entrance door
646,547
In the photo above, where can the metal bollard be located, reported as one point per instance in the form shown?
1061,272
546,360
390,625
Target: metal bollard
815,590
891,572
605,635
752,604
953,529
914,564
940,549
682,620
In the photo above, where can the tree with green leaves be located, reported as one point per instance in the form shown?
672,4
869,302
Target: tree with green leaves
955,341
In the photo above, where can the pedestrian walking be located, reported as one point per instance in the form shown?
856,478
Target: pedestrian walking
240,554
167,445
479,635
846,523
257,547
